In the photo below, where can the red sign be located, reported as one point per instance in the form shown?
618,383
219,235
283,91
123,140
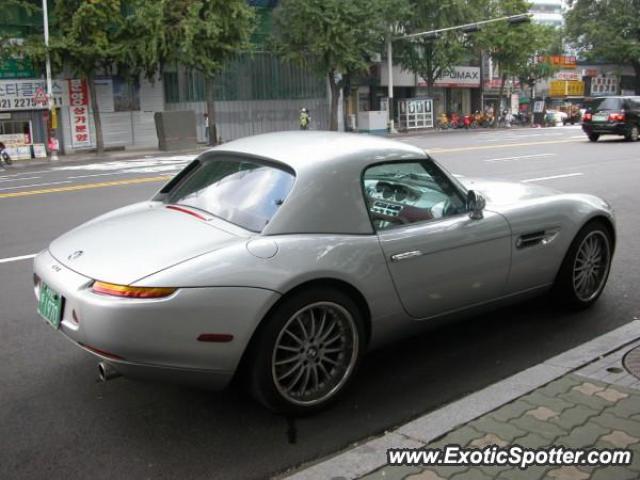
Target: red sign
78,93
79,113
40,97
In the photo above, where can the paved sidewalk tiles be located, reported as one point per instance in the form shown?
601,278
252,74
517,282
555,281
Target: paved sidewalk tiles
573,411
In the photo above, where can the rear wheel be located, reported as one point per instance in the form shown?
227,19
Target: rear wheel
585,268
633,134
307,351
593,137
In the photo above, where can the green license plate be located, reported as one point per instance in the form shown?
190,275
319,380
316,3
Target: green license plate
50,305
600,118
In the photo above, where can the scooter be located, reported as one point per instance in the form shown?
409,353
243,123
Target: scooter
4,155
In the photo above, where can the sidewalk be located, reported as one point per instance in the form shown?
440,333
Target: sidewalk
105,157
584,398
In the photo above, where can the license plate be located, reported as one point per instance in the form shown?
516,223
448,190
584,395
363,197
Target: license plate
600,118
50,305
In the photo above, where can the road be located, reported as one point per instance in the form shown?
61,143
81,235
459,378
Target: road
57,422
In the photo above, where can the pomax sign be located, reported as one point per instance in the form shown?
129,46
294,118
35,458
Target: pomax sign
461,77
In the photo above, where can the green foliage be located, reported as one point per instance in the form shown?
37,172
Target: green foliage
606,30
24,9
329,35
431,58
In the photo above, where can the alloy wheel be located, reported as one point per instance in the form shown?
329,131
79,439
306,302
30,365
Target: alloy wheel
591,266
315,353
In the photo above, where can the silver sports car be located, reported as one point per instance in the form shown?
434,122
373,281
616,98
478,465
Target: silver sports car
284,257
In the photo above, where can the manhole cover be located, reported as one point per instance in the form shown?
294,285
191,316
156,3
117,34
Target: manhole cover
631,362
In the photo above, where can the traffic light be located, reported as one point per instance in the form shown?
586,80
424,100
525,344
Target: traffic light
516,19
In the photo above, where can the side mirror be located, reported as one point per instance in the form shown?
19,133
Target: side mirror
475,204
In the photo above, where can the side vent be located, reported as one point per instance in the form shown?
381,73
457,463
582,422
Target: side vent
542,237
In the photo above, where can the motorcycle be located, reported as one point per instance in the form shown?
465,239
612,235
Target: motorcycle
4,155
443,121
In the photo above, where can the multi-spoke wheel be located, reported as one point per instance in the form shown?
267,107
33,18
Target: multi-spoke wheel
591,265
306,351
585,269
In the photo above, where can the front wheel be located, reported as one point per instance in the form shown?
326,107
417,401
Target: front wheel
593,137
585,268
307,351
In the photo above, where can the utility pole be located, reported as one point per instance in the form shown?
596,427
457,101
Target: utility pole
51,103
390,83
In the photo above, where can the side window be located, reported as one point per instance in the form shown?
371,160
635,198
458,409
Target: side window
401,193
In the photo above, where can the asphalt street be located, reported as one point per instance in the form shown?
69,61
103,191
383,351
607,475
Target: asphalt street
57,422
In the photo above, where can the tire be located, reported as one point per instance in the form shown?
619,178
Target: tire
593,137
633,134
582,278
324,349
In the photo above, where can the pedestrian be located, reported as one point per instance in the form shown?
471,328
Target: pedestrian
206,127
305,119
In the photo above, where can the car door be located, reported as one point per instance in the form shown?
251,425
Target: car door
439,258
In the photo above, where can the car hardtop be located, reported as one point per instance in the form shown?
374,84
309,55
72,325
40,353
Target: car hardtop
309,152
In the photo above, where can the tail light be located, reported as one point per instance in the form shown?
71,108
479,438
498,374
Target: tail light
587,117
130,292
616,117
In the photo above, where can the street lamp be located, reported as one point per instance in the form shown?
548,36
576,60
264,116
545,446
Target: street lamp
50,99
434,34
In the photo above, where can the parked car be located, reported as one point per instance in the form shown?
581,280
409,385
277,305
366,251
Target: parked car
612,116
283,257
555,117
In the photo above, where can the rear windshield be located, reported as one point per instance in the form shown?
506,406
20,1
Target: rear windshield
244,192
606,104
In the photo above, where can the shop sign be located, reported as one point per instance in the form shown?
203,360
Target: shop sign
565,61
590,72
15,139
566,88
23,94
457,77
567,76
603,86
79,113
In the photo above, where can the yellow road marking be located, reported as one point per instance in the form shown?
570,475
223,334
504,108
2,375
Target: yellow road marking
489,147
86,186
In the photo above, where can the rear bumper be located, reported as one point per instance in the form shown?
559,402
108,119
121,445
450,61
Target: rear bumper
612,128
158,338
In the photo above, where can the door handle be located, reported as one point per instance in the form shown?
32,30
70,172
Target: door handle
406,255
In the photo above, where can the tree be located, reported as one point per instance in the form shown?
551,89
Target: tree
432,56
202,35
547,41
511,46
9,49
87,37
607,30
332,36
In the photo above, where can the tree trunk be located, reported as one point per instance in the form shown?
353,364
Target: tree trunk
211,111
335,97
636,69
498,110
346,95
97,121
531,103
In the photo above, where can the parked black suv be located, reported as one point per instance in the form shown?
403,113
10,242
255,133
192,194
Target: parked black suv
612,116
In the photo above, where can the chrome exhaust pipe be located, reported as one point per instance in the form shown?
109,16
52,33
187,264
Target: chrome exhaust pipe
106,372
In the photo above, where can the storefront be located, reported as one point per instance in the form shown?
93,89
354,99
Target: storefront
456,90
24,117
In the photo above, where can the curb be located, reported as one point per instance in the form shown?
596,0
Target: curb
362,459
